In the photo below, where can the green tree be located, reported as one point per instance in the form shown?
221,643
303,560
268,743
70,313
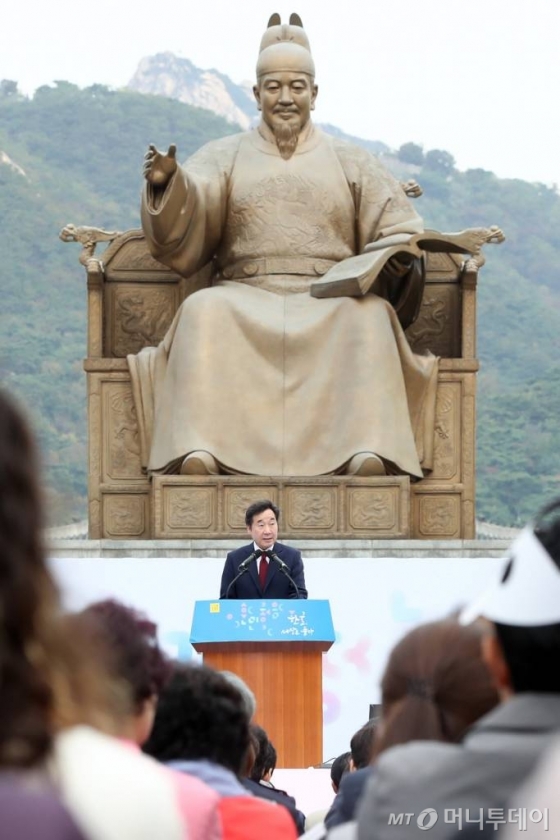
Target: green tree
439,161
9,89
411,153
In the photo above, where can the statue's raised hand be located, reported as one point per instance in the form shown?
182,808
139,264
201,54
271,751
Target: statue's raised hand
159,168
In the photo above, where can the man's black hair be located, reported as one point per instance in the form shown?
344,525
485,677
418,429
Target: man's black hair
270,759
532,653
260,507
339,767
200,715
361,744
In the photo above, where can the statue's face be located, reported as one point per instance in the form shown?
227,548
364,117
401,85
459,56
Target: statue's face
286,98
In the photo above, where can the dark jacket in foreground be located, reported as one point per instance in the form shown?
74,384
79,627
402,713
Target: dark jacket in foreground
279,796
277,584
345,803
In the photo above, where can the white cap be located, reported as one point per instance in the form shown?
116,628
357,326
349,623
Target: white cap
527,593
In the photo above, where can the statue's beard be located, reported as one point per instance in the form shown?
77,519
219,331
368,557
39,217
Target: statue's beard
287,136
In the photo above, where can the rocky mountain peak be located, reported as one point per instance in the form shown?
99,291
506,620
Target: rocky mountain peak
166,74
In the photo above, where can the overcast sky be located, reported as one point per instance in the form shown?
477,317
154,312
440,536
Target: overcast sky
478,78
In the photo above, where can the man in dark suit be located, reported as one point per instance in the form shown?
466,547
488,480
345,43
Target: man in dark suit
268,574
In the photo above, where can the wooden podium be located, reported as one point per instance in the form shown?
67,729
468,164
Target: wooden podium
276,647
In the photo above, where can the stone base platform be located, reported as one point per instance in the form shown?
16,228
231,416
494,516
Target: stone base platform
367,549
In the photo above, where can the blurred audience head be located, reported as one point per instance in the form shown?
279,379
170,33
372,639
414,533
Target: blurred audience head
435,685
248,696
200,716
265,762
339,767
135,660
250,755
362,745
48,681
269,762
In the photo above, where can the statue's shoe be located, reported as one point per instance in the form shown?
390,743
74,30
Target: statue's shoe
199,463
366,464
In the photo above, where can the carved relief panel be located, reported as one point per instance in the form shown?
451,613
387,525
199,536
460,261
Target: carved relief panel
378,508
447,433
120,444
189,509
373,509
438,326
138,315
125,515
437,515
312,509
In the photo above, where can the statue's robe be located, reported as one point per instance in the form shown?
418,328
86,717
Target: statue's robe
268,379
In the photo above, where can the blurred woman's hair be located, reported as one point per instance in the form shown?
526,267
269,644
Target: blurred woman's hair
128,639
46,678
435,685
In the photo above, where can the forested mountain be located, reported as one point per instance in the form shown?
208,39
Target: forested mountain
71,155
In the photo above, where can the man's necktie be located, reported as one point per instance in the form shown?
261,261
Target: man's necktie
263,570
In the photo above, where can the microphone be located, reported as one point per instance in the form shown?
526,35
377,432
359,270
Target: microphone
273,556
241,569
248,560
284,569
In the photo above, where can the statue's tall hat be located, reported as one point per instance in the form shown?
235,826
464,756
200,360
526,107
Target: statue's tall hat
285,48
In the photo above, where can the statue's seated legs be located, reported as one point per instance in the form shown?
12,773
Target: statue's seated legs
362,464
199,463
365,464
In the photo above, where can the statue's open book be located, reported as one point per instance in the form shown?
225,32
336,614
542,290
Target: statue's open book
355,276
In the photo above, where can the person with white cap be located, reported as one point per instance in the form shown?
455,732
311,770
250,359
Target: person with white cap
450,784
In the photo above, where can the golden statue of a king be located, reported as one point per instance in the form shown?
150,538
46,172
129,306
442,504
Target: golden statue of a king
255,375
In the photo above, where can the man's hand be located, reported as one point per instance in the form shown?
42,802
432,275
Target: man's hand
399,264
158,168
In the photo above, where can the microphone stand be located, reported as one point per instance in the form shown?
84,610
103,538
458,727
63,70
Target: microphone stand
284,570
236,578
242,568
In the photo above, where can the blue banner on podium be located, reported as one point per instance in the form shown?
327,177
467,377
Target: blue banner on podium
262,620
